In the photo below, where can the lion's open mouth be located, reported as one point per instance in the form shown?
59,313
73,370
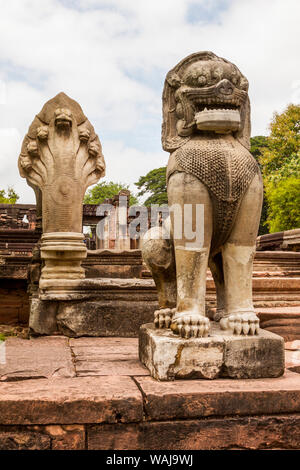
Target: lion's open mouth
216,117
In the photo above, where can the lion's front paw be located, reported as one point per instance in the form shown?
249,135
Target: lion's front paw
189,325
241,323
163,317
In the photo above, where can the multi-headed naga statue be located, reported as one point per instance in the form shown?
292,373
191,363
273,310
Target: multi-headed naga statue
61,156
206,129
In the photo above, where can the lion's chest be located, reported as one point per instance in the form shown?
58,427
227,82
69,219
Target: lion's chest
225,167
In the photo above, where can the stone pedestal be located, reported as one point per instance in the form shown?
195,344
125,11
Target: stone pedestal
92,307
61,157
62,253
170,357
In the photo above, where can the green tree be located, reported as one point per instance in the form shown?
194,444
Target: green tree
280,162
281,158
154,185
10,198
284,204
258,143
107,190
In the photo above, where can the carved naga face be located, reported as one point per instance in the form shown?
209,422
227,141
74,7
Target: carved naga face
203,93
63,119
61,139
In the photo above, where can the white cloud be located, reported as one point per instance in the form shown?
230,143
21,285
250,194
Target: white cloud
129,163
112,56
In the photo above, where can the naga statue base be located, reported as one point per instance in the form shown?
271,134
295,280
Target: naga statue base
169,357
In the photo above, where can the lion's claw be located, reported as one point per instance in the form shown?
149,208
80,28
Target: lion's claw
190,325
241,323
163,317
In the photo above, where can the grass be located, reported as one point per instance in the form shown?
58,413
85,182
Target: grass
2,337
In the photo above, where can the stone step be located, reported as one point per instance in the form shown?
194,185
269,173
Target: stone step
134,411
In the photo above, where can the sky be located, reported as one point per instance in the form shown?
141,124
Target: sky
112,57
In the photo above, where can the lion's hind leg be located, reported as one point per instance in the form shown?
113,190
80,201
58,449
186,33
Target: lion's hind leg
158,254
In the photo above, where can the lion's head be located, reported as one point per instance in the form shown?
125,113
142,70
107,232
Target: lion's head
204,93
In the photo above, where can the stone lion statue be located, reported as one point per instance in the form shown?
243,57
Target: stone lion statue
206,129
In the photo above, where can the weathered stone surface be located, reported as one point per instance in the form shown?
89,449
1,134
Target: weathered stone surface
113,263
36,358
292,345
141,413
87,289
107,356
169,357
14,302
253,356
104,345
79,400
43,317
224,397
95,307
103,318
283,263
280,432
284,321
115,437
25,440
262,432
70,437
292,356
287,240
293,360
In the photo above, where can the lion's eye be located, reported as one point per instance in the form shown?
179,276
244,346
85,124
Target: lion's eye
202,80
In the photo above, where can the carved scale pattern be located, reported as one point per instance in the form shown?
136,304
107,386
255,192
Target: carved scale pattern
227,169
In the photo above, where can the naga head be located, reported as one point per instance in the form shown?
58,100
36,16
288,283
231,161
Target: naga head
63,119
204,93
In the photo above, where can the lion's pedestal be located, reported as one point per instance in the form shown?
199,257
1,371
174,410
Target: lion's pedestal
170,357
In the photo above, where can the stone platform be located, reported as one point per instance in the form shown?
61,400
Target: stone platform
93,393
118,307
221,354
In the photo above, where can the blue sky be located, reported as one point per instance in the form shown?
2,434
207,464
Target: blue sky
112,57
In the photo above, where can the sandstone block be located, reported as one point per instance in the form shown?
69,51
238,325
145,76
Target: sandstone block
42,319
169,357
79,400
248,433
195,399
24,441
107,356
103,318
46,357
